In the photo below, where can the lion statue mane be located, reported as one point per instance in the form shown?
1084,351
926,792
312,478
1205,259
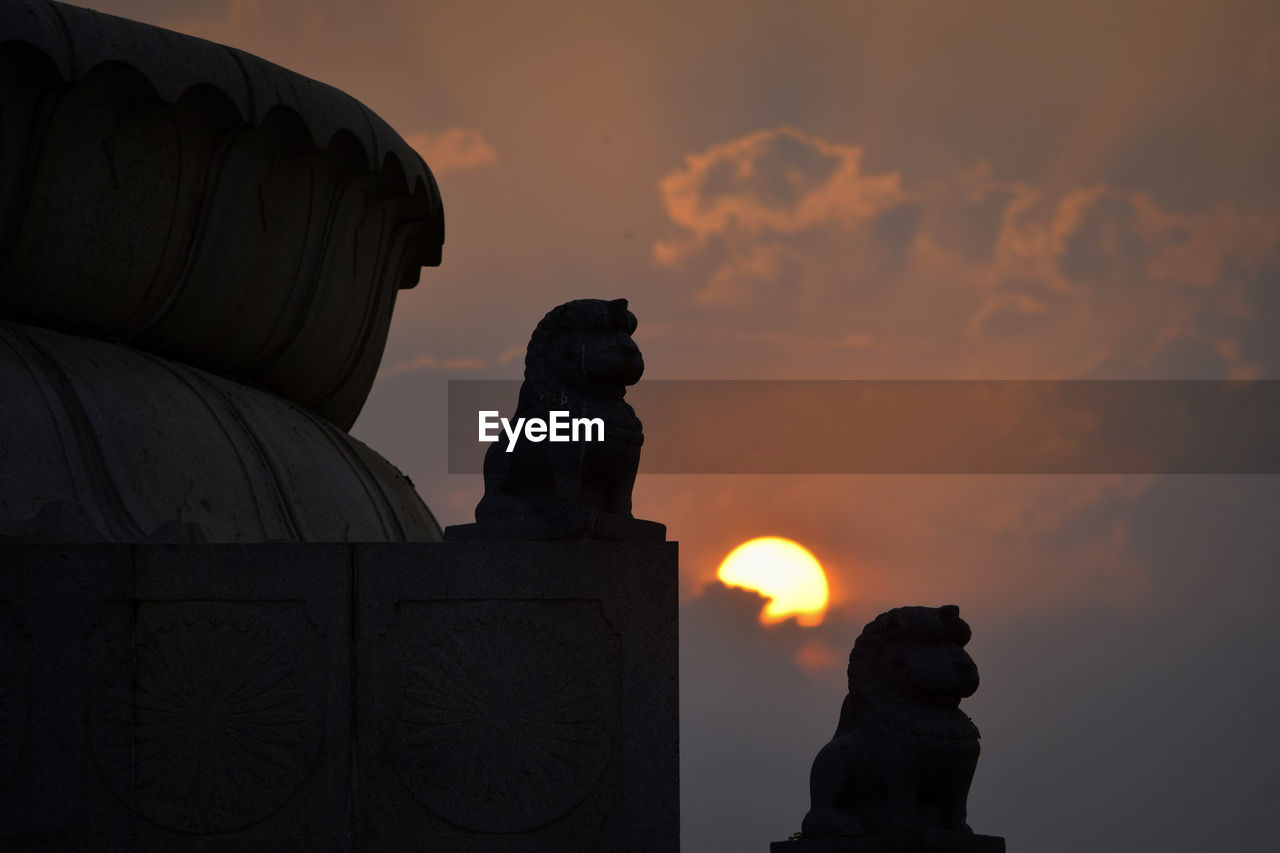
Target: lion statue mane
580,359
903,754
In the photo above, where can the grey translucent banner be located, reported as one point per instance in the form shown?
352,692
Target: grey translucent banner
923,427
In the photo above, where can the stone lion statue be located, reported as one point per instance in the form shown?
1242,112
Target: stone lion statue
580,359
903,754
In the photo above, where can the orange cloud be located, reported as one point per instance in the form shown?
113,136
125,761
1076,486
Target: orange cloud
775,181
430,362
456,149
1092,235
976,276
1105,280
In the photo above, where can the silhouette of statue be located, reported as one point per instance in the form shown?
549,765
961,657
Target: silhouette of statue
580,360
896,774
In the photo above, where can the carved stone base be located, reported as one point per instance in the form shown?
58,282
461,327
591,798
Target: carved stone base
486,696
898,841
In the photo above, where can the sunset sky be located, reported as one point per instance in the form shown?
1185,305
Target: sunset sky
891,190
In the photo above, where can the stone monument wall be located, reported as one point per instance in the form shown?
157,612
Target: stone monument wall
225,625
440,696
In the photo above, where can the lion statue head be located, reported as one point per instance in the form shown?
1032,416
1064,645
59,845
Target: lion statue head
916,653
584,345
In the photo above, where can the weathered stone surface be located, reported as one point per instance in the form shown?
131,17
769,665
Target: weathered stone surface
896,774
100,443
179,694
580,361
437,696
528,694
201,203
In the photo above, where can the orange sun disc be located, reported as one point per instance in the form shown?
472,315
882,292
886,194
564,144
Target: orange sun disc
782,571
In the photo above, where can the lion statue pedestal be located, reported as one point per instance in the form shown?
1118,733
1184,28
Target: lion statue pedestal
896,774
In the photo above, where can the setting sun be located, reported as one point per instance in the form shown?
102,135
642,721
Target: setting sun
784,572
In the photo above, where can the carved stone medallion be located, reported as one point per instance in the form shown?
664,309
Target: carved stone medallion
205,722
501,726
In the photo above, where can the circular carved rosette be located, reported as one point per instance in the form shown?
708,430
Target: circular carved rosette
205,724
502,726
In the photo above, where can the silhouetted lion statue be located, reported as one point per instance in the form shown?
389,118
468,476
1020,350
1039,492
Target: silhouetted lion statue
580,360
904,753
